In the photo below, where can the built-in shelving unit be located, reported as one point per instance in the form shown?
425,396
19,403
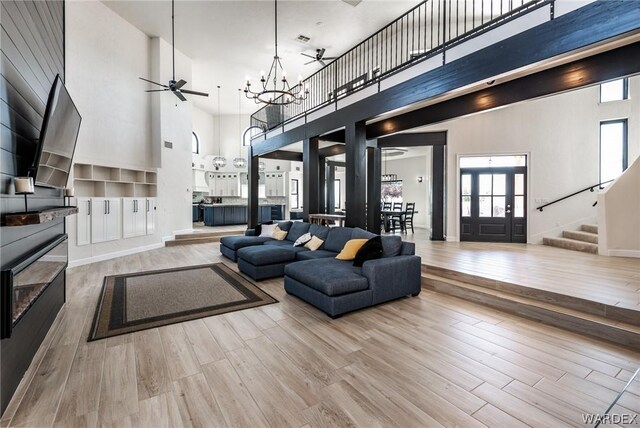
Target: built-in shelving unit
106,181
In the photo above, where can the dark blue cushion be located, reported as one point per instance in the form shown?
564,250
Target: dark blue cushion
361,234
391,246
319,231
318,254
329,276
237,242
284,225
338,236
285,244
266,255
298,229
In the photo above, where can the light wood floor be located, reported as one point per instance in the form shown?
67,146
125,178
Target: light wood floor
432,360
610,280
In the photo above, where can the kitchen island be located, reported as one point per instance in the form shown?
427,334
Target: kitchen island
231,214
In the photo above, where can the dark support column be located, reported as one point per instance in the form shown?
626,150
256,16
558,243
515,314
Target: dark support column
322,170
252,202
437,193
374,173
331,194
356,177
310,175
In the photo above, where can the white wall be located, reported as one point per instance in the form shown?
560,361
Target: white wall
561,136
123,126
408,170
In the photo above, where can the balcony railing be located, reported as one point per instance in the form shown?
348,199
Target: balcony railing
430,28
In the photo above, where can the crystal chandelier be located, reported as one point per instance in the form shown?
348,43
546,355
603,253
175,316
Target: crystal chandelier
219,161
272,95
261,166
240,162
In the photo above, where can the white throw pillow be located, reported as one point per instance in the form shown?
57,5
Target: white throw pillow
302,240
267,230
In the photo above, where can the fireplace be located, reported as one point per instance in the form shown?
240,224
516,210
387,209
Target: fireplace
27,280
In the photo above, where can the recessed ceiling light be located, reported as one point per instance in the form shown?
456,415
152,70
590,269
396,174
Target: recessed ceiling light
302,38
353,3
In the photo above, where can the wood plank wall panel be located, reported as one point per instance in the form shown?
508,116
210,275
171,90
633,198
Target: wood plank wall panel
31,55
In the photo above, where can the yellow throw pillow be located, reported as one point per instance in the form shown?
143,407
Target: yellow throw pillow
314,244
351,249
279,234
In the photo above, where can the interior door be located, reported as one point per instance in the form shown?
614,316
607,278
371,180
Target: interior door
493,204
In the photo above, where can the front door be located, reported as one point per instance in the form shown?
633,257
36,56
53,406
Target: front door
493,204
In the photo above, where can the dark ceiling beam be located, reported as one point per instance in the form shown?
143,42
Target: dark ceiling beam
336,149
337,164
417,139
336,136
591,24
588,71
283,155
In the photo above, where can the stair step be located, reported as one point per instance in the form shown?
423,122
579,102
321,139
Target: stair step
591,228
548,313
581,235
185,241
208,234
571,244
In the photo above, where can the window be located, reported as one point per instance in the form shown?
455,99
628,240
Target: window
336,192
294,202
614,91
391,191
195,143
613,149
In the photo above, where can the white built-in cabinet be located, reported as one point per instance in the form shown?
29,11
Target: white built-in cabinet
134,217
83,220
224,184
275,184
105,219
150,206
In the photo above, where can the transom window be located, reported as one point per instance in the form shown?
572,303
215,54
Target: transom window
493,161
613,149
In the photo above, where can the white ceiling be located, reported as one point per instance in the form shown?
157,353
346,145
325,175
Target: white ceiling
228,40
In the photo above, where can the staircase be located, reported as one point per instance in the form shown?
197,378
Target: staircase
200,237
585,239
611,323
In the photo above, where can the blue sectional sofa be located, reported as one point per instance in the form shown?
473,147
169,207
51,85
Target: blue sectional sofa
317,277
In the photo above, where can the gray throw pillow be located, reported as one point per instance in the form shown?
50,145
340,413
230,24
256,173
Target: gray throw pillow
302,240
391,246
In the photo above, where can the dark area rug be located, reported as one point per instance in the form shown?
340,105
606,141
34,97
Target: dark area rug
138,301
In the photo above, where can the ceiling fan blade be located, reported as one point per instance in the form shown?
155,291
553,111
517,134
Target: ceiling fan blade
329,57
307,55
187,91
307,63
324,64
157,90
179,95
151,81
179,84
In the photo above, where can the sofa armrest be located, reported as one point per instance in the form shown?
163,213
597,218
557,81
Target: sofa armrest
250,232
393,277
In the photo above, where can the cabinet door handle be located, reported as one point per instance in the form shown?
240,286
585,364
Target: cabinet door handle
88,207
108,207
105,207
147,205
135,206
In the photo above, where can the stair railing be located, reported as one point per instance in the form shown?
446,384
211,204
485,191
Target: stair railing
604,418
590,188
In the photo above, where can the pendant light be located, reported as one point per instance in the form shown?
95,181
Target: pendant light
219,161
240,162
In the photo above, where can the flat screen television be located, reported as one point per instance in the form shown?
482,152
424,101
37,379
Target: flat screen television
58,137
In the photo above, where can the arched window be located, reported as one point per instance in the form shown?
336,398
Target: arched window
195,143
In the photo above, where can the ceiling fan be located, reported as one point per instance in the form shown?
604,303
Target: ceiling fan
173,86
319,57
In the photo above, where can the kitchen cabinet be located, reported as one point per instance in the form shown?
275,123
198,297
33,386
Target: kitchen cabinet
134,215
151,216
224,184
83,221
105,219
194,213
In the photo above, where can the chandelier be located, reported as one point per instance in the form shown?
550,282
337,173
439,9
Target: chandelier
219,161
261,166
272,95
240,162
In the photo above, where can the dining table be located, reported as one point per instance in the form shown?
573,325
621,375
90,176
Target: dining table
320,218
387,214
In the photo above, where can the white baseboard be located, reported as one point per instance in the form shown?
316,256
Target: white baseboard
452,239
624,253
108,256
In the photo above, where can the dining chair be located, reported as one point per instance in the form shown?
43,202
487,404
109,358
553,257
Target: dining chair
408,217
396,218
386,206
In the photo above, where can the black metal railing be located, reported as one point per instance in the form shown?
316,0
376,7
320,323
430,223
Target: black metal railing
430,28
590,188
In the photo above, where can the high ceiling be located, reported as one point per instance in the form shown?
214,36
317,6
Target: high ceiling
228,40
